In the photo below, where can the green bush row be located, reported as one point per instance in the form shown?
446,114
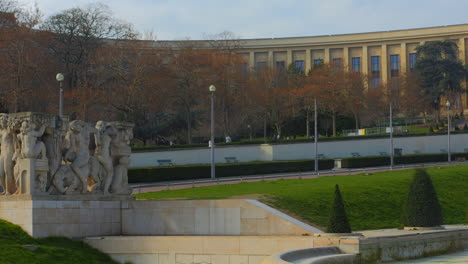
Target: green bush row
362,162
189,172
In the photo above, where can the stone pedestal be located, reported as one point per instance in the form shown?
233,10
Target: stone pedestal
33,176
73,216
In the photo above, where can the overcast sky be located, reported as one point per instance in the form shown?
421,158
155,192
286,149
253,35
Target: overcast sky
179,19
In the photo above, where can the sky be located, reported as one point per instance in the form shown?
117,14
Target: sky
193,19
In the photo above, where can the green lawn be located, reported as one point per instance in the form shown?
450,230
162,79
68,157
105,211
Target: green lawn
50,250
372,201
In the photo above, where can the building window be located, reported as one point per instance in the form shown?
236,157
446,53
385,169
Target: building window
244,69
318,62
375,82
412,61
337,62
375,65
261,65
394,65
281,66
375,70
356,64
299,65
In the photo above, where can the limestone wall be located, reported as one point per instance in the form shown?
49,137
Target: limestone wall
70,218
396,248
208,217
197,249
331,149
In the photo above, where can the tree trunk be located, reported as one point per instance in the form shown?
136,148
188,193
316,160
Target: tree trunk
334,123
307,123
265,129
189,128
357,121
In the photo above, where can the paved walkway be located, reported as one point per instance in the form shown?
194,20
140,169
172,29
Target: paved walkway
173,185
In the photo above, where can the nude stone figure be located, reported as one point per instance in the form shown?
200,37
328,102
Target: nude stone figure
78,152
31,148
7,149
104,135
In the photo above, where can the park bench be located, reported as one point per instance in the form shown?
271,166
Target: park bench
165,162
231,159
355,154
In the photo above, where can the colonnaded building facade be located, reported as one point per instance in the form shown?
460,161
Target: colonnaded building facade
380,55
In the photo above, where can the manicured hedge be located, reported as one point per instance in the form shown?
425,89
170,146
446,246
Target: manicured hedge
189,172
362,162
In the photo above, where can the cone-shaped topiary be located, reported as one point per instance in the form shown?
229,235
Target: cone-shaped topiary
338,222
422,208
431,130
465,127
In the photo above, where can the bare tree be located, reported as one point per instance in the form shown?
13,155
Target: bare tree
80,31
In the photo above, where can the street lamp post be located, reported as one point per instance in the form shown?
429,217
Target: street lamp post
315,136
391,138
212,89
60,77
449,158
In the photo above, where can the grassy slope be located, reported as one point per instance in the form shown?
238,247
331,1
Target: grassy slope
372,201
50,250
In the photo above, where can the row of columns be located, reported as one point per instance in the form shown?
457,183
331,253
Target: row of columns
384,70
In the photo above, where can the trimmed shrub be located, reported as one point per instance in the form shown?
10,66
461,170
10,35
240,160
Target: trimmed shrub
190,172
422,207
338,222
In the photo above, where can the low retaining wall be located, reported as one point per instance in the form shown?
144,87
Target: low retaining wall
209,217
64,215
395,248
296,151
197,249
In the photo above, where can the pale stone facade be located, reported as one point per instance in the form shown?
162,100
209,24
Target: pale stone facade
394,50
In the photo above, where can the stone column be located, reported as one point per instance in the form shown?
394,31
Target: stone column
307,61
326,56
346,58
403,58
270,62
384,64
252,60
288,58
365,64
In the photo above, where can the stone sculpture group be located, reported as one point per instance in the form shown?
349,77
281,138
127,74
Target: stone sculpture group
43,154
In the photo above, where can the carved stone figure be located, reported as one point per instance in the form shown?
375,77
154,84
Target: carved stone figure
104,135
7,151
31,147
120,152
56,158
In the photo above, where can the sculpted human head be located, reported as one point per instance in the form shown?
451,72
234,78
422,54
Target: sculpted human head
76,126
27,126
3,120
101,125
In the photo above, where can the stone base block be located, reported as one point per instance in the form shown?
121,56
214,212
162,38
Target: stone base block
70,216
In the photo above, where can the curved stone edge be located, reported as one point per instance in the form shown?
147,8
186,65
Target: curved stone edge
319,255
284,216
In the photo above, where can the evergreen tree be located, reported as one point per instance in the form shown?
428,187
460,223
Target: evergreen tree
422,208
338,222
431,130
